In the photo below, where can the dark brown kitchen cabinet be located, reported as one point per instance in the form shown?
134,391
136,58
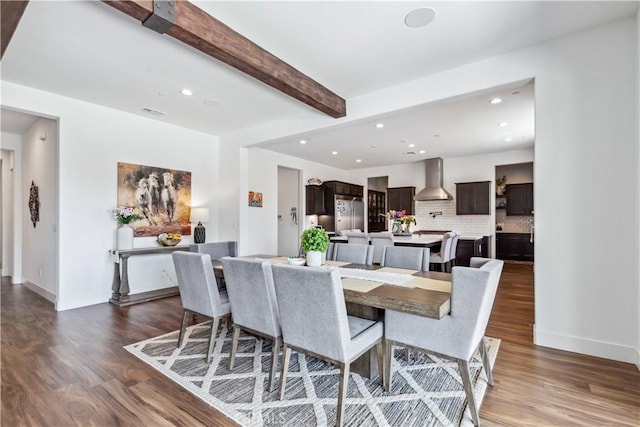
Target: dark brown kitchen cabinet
514,246
401,199
376,208
344,188
315,200
468,248
472,198
520,199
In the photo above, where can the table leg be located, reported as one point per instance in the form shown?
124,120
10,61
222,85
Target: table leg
124,285
115,286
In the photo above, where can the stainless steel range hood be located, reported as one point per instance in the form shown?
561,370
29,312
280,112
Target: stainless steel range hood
433,182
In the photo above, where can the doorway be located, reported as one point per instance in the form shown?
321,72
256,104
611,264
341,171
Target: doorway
288,211
30,241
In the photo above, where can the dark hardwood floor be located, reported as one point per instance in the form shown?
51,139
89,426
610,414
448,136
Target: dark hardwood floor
69,368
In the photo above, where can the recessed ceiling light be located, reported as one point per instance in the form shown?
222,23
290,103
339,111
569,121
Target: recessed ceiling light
379,125
496,101
334,153
419,17
502,124
303,141
358,160
412,145
186,92
507,139
162,93
422,151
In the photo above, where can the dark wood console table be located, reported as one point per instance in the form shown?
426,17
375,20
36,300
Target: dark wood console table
120,287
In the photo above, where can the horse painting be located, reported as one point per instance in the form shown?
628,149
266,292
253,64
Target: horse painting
155,191
161,196
143,200
169,195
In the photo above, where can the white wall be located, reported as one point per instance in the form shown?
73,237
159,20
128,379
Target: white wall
12,206
262,235
586,145
637,346
92,140
40,243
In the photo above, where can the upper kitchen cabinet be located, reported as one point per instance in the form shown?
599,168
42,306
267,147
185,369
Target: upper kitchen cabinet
520,199
344,188
472,198
315,200
401,199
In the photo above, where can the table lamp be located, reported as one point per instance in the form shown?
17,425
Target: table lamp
199,215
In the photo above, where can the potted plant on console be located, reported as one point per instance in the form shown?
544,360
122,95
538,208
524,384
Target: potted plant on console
315,242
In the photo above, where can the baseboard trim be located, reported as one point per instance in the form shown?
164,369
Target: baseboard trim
606,350
40,291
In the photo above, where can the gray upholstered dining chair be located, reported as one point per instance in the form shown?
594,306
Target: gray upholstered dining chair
442,258
379,241
357,237
407,257
217,250
199,293
253,304
454,249
353,253
457,335
314,321
329,253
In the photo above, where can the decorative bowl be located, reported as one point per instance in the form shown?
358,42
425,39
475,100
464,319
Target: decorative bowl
169,239
297,261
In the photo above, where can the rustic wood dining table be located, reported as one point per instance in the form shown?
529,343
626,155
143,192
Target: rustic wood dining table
423,293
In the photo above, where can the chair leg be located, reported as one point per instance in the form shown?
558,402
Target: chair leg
380,354
212,339
286,354
468,388
274,362
407,354
234,345
342,393
388,356
485,361
183,326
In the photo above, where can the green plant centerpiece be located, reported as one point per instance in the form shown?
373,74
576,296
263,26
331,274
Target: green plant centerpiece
315,242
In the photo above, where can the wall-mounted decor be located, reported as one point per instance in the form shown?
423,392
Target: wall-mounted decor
34,204
255,199
161,196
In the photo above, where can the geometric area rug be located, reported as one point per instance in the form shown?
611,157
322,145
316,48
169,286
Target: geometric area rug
426,391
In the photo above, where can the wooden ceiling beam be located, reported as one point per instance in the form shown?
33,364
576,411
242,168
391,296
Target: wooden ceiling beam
11,13
198,29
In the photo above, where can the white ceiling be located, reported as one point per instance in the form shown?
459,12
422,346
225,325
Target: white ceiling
92,52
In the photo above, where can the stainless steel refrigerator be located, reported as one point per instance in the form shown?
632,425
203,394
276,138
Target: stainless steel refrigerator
349,213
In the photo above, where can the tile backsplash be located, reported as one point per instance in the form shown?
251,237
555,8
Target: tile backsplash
466,224
513,224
